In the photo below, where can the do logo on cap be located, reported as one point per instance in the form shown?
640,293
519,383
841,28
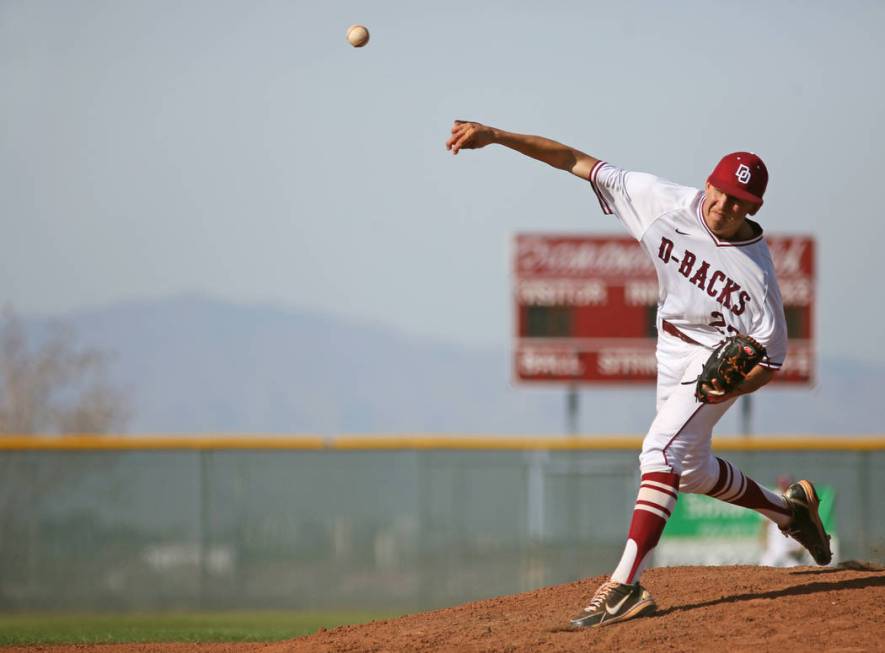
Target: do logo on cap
742,175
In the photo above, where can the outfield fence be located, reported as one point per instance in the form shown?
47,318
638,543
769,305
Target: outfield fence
111,523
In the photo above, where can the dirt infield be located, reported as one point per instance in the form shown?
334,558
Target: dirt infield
699,609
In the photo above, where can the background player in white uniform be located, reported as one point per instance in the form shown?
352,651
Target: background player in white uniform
715,278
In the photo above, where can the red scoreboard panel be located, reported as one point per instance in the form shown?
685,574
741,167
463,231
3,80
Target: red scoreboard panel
585,308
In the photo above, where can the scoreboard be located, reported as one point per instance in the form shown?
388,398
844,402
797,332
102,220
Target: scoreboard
585,307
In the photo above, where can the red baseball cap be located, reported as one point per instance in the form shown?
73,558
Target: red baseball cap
742,175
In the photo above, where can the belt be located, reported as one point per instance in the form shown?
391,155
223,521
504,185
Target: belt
673,331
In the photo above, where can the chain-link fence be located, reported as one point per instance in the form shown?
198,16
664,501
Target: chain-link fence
392,528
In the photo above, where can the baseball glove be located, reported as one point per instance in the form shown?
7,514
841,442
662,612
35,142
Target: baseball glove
728,365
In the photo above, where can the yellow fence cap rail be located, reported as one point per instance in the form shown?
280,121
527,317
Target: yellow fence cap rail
462,442
159,442
474,442
800,443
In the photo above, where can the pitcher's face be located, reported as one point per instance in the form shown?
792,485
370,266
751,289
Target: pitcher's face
724,214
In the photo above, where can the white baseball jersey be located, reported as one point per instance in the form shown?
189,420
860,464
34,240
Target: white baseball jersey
708,288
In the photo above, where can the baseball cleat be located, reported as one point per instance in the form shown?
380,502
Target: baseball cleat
805,527
614,602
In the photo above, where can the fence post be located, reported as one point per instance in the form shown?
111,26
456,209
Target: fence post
863,544
204,524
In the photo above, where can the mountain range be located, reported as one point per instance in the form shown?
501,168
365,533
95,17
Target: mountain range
197,364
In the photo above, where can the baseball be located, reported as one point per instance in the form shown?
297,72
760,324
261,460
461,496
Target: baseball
358,35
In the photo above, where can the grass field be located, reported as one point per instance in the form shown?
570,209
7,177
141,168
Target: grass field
174,627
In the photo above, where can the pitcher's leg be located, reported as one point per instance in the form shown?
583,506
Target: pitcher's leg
735,487
681,426
795,512
654,505
679,434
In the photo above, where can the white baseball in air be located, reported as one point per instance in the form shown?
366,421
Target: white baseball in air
358,35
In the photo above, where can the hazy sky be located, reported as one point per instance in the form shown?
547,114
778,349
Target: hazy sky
244,149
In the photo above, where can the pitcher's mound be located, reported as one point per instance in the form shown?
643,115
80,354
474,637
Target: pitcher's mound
699,609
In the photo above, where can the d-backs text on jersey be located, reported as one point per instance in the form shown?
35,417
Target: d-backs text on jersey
729,293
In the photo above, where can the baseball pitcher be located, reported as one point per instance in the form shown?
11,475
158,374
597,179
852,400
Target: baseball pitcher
721,334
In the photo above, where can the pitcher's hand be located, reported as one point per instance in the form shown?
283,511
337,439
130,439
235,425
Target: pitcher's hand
469,136
714,394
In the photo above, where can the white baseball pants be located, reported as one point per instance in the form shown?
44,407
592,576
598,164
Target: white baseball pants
679,439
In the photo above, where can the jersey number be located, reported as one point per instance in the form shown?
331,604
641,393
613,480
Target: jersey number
719,323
